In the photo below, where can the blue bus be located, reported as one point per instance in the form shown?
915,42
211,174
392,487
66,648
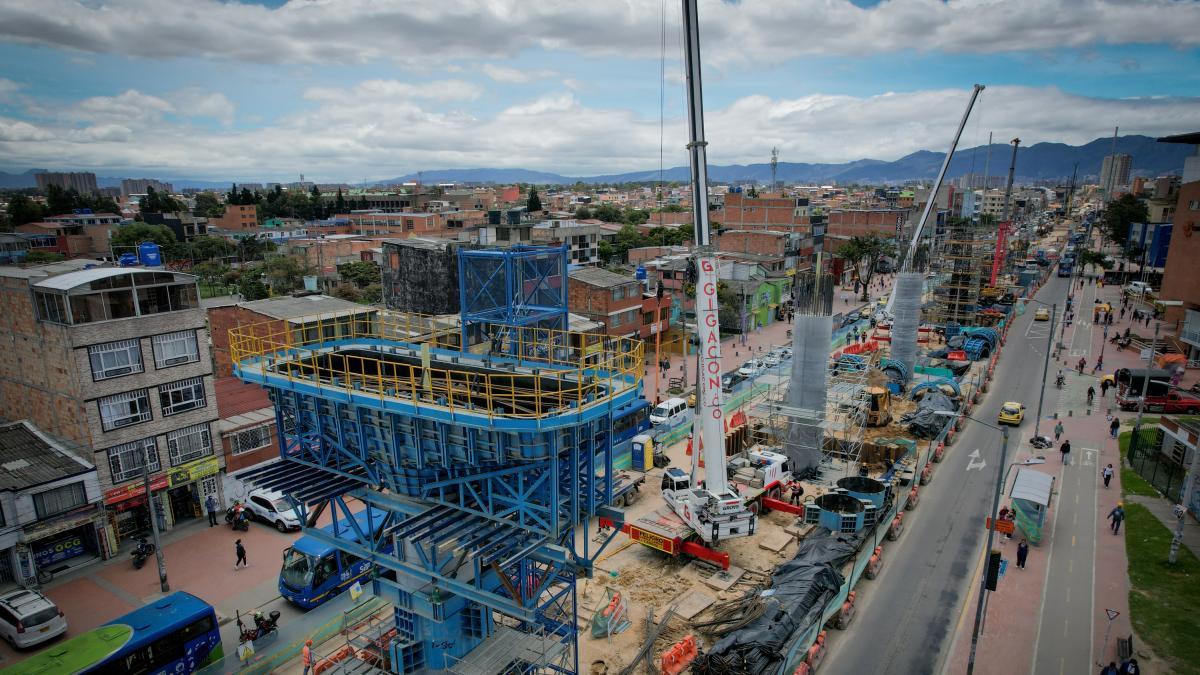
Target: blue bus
175,634
313,571
1064,268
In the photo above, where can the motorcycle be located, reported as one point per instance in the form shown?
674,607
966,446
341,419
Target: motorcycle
261,627
140,553
237,520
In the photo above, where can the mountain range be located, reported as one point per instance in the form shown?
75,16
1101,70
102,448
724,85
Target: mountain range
1040,161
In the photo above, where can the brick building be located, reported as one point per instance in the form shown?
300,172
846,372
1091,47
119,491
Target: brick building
237,217
847,223
608,298
788,214
442,223
1181,276
116,360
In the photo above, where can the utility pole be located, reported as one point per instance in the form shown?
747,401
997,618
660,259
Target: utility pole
1037,421
158,549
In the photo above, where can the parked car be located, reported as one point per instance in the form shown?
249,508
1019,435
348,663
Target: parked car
29,618
273,508
751,368
771,360
670,412
731,380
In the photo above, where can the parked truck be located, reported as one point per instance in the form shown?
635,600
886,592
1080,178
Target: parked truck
1170,403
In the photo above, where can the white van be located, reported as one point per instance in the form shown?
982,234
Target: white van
669,413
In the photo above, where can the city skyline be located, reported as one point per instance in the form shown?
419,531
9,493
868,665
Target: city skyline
351,91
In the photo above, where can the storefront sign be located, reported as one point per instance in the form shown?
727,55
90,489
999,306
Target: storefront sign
193,471
138,489
57,550
50,528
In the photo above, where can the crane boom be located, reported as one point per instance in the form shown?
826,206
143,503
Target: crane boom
716,511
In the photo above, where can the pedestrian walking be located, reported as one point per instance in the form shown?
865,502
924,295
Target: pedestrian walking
1122,312
1148,317
1058,431
1103,388
1131,667
1116,516
1114,427
1107,473
241,554
1110,669
210,505
1081,365
1022,553
1065,449
1091,393
307,654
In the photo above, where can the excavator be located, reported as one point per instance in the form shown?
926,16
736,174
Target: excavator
879,414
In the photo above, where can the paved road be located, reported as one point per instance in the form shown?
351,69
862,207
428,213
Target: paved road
908,614
1067,614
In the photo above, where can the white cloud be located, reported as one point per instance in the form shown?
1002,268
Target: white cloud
509,75
381,129
394,91
755,31
196,103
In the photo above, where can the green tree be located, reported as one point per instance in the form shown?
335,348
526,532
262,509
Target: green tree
251,287
255,247
316,203
210,272
371,294
635,216
864,253
608,213
1119,214
59,201
360,273
285,273
752,192
339,202
208,205
207,247
159,202
39,257
583,213
350,293
535,203
672,208
22,210
126,238
605,252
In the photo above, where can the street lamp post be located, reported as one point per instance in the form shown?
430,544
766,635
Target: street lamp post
1037,421
991,530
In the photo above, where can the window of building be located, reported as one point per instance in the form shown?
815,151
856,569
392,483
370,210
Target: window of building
189,443
125,461
59,500
114,359
182,396
124,409
1194,205
618,293
647,318
173,349
248,440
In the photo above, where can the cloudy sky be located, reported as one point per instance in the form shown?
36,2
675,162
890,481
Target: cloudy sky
346,90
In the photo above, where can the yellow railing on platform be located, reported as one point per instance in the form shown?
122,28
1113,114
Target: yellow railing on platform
573,369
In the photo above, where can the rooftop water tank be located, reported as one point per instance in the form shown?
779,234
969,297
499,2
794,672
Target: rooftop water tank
149,254
127,260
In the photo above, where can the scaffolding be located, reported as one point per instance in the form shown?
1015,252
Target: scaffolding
842,423
957,299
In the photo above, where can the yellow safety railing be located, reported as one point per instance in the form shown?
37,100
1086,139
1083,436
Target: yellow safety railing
572,369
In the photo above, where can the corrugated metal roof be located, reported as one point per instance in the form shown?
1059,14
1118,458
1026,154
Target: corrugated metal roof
595,276
29,457
288,307
1033,486
65,282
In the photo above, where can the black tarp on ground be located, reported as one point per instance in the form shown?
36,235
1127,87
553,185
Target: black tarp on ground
800,590
924,422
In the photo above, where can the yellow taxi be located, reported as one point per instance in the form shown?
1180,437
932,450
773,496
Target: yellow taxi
1011,413
1042,314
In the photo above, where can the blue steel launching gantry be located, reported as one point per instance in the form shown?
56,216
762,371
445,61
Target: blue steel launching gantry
485,442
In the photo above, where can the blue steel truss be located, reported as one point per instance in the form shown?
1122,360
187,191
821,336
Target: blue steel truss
482,509
522,286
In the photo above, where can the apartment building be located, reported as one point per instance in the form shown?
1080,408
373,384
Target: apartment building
83,182
237,218
141,186
771,212
116,360
582,238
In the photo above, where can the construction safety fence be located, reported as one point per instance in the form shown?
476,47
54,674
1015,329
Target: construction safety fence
560,369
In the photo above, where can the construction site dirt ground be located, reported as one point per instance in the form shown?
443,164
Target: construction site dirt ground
652,581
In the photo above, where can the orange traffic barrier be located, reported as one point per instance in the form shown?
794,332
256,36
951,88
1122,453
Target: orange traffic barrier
926,473
941,450
612,605
817,651
678,656
897,527
802,669
875,563
914,496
